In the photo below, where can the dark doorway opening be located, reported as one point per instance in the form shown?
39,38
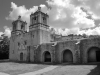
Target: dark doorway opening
67,56
94,54
47,57
98,56
21,56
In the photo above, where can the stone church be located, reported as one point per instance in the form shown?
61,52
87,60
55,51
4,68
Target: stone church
38,46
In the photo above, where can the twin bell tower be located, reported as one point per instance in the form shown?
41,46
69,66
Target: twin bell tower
38,28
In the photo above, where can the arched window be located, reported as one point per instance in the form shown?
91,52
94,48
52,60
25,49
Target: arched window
44,20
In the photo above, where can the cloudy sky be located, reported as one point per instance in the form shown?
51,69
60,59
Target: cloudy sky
66,16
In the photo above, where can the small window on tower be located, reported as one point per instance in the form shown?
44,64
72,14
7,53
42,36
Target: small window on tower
25,42
18,44
22,26
44,20
34,18
33,36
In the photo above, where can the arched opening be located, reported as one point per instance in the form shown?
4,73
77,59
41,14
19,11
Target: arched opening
21,56
94,54
47,56
67,56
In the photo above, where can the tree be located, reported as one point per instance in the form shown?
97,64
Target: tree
4,47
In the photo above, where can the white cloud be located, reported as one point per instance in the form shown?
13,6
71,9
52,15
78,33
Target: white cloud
60,13
7,31
61,3
91,5
66,31
68,15
95,31
81,19
22,11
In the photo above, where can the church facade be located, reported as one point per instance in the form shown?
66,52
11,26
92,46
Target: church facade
37,46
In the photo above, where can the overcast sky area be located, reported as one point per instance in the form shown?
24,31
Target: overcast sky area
66,16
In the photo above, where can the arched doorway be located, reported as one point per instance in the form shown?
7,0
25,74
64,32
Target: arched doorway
67,56
94,54
47,56
21,56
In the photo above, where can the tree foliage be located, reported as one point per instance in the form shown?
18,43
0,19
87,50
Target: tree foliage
4,47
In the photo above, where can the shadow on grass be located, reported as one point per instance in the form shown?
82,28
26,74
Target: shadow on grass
95,71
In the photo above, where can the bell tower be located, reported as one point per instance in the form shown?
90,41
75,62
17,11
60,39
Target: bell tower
18,27
19,24
39,28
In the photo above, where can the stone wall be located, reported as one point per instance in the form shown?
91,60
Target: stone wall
85,45
56,51
39,52
67,45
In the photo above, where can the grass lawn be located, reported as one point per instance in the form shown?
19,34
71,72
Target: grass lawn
19,68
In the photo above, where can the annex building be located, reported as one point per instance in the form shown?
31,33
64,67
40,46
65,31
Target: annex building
38,45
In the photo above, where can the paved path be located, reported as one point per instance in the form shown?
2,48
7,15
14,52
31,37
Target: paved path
74,70
40,71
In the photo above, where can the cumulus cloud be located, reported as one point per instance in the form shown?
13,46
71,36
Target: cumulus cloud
77,31
66,16
7,31
22,11
70,16
81,19
95,31
93,6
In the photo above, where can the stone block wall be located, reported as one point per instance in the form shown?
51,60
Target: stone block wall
67,45
85,45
